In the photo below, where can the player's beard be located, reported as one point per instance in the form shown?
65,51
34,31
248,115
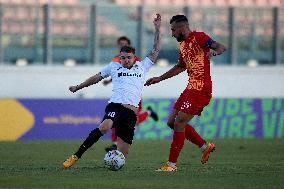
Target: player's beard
181,37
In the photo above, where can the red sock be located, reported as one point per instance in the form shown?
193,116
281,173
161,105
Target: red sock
193,136
142,117
176,146
113,135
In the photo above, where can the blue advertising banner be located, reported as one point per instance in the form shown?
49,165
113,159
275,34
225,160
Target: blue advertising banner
64,119
58,119
223,118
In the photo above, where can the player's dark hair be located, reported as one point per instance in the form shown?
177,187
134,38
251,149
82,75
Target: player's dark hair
179,18
127,49
123,38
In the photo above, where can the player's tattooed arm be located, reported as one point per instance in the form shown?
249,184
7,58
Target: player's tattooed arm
156,48
90,81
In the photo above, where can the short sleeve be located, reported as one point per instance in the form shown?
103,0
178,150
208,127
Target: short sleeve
204,40
180,61
147,64
106,71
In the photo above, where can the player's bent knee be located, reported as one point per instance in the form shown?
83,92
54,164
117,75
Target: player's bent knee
106,125
179,126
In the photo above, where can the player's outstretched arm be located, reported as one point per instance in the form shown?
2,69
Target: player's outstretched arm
90,81
156,48
177,69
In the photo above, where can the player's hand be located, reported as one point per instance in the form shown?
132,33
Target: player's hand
211,53
153,80
157,21
73,89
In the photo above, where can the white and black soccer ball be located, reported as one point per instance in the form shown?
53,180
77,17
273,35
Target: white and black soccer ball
114,160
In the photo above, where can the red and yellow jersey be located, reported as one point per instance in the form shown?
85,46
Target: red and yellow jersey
116,58
193,57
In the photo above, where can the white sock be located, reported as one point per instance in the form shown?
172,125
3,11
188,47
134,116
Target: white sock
203,147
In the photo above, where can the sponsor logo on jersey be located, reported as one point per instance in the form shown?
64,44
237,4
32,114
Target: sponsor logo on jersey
129,74
185,105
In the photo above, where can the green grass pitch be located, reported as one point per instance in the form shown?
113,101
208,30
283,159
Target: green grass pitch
235,164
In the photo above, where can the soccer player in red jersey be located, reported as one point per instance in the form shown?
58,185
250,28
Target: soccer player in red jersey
141,116
196,48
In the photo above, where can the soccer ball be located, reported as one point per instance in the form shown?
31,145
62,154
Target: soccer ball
114,160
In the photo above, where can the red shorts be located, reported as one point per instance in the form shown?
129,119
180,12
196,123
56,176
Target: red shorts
192,103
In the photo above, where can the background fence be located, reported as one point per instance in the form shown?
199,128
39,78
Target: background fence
87,32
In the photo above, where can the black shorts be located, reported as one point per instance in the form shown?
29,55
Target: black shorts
124,121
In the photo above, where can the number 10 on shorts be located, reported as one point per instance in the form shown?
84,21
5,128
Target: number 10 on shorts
111,114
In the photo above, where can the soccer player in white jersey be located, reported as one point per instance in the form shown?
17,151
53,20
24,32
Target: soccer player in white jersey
128,79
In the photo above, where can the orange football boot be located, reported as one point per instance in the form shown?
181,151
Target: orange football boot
69,162
167,168
205,154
